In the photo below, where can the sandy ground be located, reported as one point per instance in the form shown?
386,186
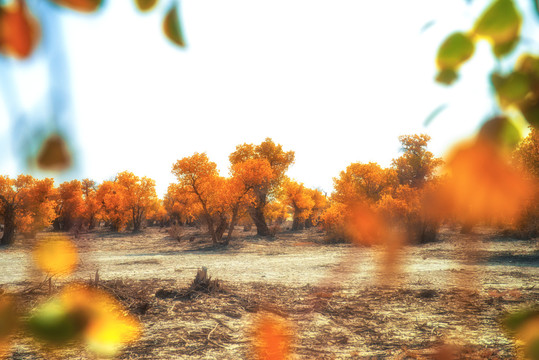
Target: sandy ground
341,300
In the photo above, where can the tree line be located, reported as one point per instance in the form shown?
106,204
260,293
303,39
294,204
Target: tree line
413,194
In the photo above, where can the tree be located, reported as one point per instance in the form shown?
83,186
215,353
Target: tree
200,177
26,205
417,165
526,155
70,204
363,183
112,205
11,196
139,196
247,177
416,170
320,204
279,161
299,199
91,206
181,204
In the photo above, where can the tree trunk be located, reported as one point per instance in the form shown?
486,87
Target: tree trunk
221,228
297,224
232,225
211,229
257,214
9,226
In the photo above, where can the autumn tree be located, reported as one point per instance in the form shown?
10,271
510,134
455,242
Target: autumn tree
112,207
38,209
363,183
139,196
181,204
416,165
11,196
526,158
247,177
279,161
416,171
70,204
276,211
200,177
359,185
527,153
320,203
26,205
299,199
91,206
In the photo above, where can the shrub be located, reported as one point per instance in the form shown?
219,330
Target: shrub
175,232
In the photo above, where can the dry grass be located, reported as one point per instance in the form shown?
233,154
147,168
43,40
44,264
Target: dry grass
428,313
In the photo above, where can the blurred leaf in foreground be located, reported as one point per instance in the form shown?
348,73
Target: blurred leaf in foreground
172,27
85,6
272,338
145,5
500,25
56,256
54,154
453,52
523,326
19,31
84,314
8,322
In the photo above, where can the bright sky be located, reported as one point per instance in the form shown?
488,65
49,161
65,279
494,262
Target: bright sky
336,81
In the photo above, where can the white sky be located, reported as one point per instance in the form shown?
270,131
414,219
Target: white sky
336,81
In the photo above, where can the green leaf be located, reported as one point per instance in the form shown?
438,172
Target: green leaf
514,321
511,88
500,50
51,322
446,77
500,23
501,131
172,27
530,111
529,64
456,49
145,5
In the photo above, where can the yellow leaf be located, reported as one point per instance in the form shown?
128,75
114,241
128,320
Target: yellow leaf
56,256
145,5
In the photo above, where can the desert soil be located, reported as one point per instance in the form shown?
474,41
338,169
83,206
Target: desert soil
342,302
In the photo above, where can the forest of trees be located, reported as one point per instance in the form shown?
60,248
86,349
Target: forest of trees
415,195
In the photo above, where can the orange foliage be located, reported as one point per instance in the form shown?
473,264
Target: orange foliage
278,160
139,196
299,199
126,199
417,165
181,204
363,183
91,206
276,211
26,204
199,176
70,206
19,31
112,205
